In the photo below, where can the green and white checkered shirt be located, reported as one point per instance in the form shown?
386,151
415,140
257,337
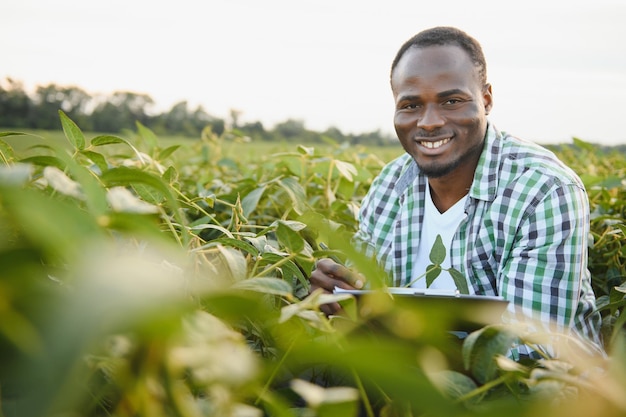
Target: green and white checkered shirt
524,236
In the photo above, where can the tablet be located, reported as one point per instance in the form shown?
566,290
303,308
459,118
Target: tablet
462,311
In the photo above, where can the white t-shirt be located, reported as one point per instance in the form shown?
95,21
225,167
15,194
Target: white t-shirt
436,223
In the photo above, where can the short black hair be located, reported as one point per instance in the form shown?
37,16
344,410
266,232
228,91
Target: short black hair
446,35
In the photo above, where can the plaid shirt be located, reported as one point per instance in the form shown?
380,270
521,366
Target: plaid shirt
524,236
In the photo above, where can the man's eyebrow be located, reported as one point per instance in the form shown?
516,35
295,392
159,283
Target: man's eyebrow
452,92
409,98
443,94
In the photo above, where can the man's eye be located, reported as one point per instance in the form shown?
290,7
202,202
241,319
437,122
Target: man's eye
452,101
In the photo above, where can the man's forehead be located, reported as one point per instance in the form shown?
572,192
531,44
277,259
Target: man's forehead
432,57
432,61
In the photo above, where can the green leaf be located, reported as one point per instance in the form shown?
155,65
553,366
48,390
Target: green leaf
5,134
251,200
621,288
127,176
432,272
58,227
453,384
293,224
236,243
45,160
296,193
44,147
306,264
93,189
123,200
266,285
147,135
235,262
350,308
107,140
459,280
20,331
6,151
618,333
305,150
72,131
438,251
293,164
168,151
97,158
149,194
221,229
480,349
288,269
289,238
170,175
136,225
290,272
346,169
584,145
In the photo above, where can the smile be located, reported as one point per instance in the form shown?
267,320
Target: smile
434,145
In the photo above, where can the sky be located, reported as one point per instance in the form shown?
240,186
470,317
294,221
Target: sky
557,68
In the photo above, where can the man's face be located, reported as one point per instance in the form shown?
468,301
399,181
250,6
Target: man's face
441,109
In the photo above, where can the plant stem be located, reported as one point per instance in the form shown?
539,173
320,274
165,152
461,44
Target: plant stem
276,265
482,389
278,367
368,407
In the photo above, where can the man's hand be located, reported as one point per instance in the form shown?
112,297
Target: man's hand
327,275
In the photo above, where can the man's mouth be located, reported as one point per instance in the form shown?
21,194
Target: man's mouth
434,145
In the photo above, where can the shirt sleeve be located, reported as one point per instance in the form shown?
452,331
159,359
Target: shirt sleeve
363,239
379,208
544,273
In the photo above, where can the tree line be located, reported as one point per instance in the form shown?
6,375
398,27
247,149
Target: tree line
116,112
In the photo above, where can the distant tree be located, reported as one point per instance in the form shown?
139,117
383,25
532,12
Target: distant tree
372,138
48,100
181,120
335,134
177,120
121,111
201,119
234,118
106,118
290,130
15,105
255,131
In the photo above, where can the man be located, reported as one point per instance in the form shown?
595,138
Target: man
514,219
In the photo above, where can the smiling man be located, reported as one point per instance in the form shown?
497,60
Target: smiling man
514,219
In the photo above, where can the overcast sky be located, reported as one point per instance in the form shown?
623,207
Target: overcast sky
558,68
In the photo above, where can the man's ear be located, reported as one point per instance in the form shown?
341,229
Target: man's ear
487,98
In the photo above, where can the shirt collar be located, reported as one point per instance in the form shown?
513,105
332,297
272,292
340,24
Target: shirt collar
485,181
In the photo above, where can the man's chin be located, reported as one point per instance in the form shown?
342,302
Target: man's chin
437,170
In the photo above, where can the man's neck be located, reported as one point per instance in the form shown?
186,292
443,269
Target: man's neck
446,193
447,190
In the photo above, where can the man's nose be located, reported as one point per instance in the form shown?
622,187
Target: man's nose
430,118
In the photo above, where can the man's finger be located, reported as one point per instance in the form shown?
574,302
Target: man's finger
357,280
354,279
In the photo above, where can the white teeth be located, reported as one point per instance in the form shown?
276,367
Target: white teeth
434,145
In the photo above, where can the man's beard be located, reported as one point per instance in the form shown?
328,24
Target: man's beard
438,170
